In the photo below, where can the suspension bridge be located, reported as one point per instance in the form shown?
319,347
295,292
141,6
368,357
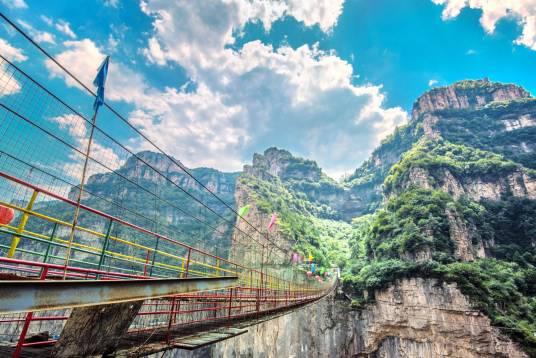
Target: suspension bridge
148,263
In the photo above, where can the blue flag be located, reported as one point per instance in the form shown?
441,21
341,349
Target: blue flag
99,82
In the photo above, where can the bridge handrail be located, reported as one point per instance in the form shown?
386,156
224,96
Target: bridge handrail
38,189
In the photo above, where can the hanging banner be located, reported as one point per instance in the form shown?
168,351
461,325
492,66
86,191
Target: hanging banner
243,211
272,221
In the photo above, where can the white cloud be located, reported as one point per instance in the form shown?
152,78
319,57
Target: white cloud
523,11
111,3
80,56
38,36
247,99
302,99
61,25
432,82
83,59
8,84
47,20
65,28
15,4
324,12
11,53
471,52
77,129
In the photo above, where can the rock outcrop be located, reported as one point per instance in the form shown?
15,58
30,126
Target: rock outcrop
517,183
466,94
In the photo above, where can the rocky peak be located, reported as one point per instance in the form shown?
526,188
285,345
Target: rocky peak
282,164
156,160
467,94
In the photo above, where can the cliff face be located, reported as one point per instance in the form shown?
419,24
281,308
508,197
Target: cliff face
303,177
466,94
444,265
412,318
459,205
136,192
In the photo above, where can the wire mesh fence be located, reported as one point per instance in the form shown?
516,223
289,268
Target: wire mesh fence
132,212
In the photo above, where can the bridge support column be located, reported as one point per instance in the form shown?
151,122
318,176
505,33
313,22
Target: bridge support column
95,330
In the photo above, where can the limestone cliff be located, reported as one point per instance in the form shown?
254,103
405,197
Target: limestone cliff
412,318
466,94
444,265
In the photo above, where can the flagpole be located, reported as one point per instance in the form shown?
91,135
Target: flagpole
99,100
79,198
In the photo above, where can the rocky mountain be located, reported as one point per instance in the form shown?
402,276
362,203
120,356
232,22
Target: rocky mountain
457,202
308,204
443,235
152,191
340,201
479,114
435,233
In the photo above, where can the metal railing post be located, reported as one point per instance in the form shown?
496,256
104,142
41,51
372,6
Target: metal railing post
154,255
27,322
22,225
187,262
105,245
54,229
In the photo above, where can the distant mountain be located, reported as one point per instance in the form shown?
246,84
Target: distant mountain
308,203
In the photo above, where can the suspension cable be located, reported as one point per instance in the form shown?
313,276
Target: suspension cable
123,119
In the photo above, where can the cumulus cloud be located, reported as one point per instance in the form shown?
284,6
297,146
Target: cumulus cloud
522,11
432,82
38,36
8,84
244,100
65,28
15,4
83,59
302,99
77,128
11,53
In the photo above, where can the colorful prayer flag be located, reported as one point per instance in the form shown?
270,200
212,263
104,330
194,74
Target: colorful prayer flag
243,211
272,221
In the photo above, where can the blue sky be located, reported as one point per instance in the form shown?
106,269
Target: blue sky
215,81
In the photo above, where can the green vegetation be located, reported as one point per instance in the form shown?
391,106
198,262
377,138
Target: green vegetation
484,129
504,287
459,160
367,180
300,221
385,245
410,235
410,223
504,291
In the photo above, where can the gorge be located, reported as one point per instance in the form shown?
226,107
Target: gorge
434,234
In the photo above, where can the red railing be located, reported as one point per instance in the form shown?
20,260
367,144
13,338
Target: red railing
259,292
